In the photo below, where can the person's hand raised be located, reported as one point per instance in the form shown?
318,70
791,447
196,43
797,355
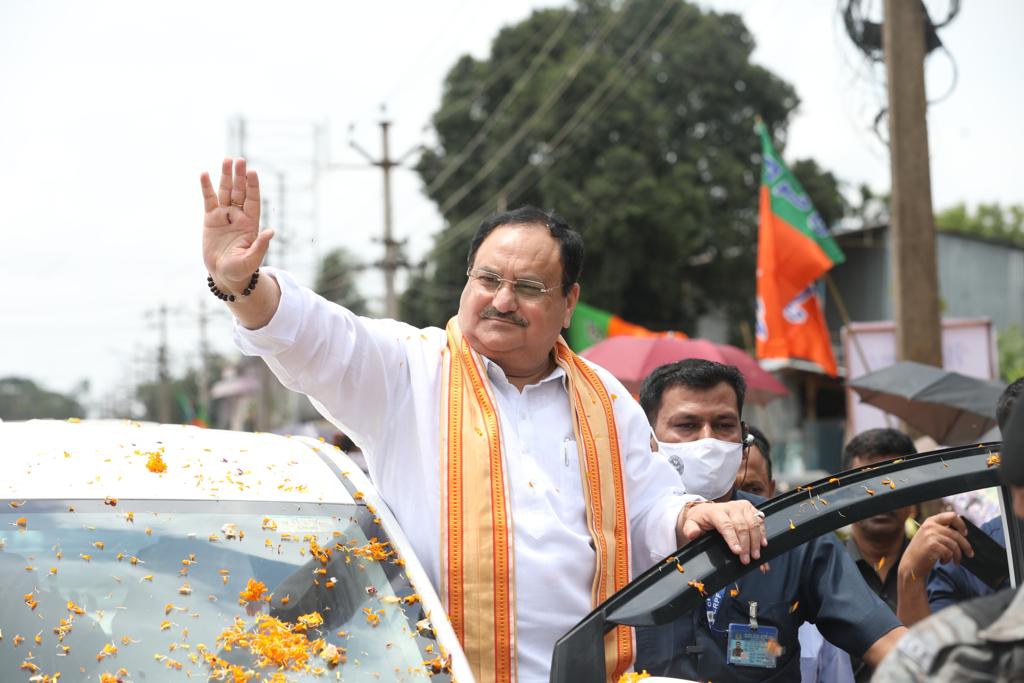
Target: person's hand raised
942,538
233,246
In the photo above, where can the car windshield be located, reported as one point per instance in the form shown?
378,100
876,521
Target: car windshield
153,590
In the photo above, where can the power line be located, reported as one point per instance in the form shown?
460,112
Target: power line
392,260
591,109
440,36
553,97
496,116
503,67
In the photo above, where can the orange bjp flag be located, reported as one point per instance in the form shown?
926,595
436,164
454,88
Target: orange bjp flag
794,249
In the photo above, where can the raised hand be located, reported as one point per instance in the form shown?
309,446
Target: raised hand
942,538
233,246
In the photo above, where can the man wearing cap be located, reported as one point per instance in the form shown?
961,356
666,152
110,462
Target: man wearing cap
981,639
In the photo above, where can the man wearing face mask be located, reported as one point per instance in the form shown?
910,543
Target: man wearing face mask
695,407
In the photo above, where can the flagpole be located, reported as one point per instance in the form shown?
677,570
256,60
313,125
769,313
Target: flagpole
845,316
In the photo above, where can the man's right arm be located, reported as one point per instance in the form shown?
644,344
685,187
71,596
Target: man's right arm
355,368
257,309
348,366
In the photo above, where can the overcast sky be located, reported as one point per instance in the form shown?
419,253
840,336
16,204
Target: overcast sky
112,109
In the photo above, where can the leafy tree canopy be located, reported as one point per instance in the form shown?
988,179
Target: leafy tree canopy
23,399
1010,344
992,221
634,121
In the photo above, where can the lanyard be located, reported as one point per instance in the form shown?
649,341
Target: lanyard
713,603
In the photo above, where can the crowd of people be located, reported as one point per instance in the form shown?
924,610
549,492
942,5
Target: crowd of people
542,487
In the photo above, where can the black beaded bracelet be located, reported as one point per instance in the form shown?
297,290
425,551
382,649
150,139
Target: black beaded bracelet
231,297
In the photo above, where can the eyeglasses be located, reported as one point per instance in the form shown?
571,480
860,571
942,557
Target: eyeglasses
524,289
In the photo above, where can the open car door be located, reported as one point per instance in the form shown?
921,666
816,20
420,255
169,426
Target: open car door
663,593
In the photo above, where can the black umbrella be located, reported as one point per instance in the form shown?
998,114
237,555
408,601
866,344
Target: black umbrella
951,408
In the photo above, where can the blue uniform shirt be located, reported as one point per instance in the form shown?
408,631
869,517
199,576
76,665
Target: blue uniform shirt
818,577
950,583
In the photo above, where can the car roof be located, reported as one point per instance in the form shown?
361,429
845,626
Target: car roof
108,458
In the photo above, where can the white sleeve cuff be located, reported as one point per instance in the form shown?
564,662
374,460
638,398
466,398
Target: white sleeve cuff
278,334
663,541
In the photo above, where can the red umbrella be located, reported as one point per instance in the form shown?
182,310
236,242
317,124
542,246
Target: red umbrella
631,359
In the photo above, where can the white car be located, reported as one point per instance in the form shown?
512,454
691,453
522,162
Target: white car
142,552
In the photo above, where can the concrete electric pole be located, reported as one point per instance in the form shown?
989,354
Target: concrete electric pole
392,261
914,257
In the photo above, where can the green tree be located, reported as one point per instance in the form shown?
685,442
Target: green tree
823,189
991,221
336,280
633,120
23,399
1010,343
182,394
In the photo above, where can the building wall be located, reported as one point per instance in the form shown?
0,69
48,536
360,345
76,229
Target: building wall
981,278
863,280
977,278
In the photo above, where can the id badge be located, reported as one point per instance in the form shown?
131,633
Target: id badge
750,646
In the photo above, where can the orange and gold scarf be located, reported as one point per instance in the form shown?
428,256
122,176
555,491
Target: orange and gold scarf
477,562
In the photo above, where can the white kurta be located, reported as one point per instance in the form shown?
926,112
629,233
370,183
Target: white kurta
379,381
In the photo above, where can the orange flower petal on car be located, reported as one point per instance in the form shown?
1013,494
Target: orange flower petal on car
254,591
155,463
993,460
108,650
21,522
633,677
697,586
870,492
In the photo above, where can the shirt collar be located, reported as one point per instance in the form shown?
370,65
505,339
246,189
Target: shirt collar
1009,627
854,551
496,374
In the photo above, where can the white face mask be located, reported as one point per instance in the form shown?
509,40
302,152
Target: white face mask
707,467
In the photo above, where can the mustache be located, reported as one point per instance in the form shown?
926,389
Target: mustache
492,313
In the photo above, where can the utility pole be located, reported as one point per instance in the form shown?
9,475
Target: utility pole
163,371
203,374
391,262
914,259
